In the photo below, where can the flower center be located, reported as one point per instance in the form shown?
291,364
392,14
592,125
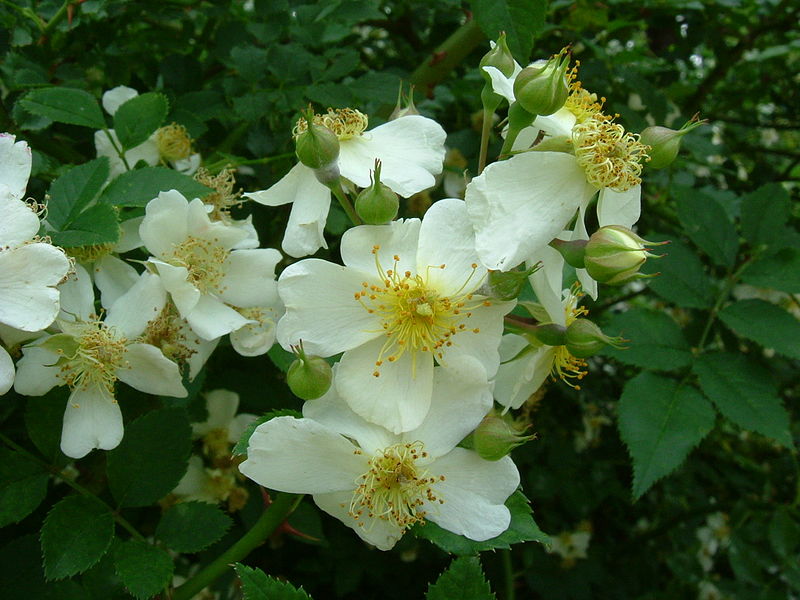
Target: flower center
97,356
580,102
565,366
173,142
204,259
346,123
224,198
415,317
610,156
394,487
90,253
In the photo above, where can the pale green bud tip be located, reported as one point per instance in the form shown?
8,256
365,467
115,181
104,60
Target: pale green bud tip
497,435
614,255
377,204
316,146
309,377
585,339
542,88
665,143
405,104
508,285
498,57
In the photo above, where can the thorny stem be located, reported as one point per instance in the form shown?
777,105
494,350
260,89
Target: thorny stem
282,506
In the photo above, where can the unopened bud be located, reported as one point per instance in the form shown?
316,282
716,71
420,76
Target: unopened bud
309,377
549,334
405,104
498,57
316,146
572,251
497,435
585,339
508,285
665,143
542,88
614,255
377,204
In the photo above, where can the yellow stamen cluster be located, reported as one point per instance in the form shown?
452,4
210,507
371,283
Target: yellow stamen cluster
394,487
580,102
99,354
204,259
90,253
216,444
224,198
565,366
610,156
167,332
173,142
345,123
414,316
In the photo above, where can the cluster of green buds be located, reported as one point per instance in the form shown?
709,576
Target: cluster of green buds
377,204
309,377
497,435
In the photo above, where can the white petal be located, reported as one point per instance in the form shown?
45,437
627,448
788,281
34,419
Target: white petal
399,238
288,188
28,273
147,151
619,208
194,481
238,425
35,374
411,150
129,238
148,370
199,225
517,380
77,296
175,280
92,420
113,277
559,124
116,97
473,492
188,165
165,223
399,398
19,223
380,533
15,167
142,303
249,278
221,405
501,84
547,283
519,205
211,318
588,284
321,309
255,339
203,350
461,398
301,456
6,371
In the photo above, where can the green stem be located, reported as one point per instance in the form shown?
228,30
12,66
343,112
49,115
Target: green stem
509,574
56,472
56,18
117,149
733,278
282,506
488,115
346,204
27,12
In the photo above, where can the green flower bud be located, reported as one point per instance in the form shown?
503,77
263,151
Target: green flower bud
585,339
508,285
665,143
549,334
377,204
309,377
498,57
497,435
316,146
614,255
542,88
405,104
572,252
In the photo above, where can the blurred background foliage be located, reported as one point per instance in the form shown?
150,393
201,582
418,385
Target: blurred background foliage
725,524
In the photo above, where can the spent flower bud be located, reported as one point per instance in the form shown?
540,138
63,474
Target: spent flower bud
316,146
377,204
497,435
665,143
614,255
405,104
542,88
585,339
309,377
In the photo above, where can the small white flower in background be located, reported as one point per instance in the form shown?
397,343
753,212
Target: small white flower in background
212,280
213,485
223,427
572,545
713,536
29,269
379,483
411,150
405,299
90,355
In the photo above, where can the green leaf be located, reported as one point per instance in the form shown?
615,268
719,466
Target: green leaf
98,224
765,213
654,340
257,585
74,190
192,526
151,459
139,117
660,423
784,533
780,271
138,187
520,19
745,393
521,529
764,323
144,569
244,439
76,534
23,486
463,579
65,105
708,225
682,280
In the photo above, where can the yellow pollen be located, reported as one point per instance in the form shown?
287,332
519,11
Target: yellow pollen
394,488
173,142
580,102
565,366
96,359
345,123
609,156
223,198
90,253
204,259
